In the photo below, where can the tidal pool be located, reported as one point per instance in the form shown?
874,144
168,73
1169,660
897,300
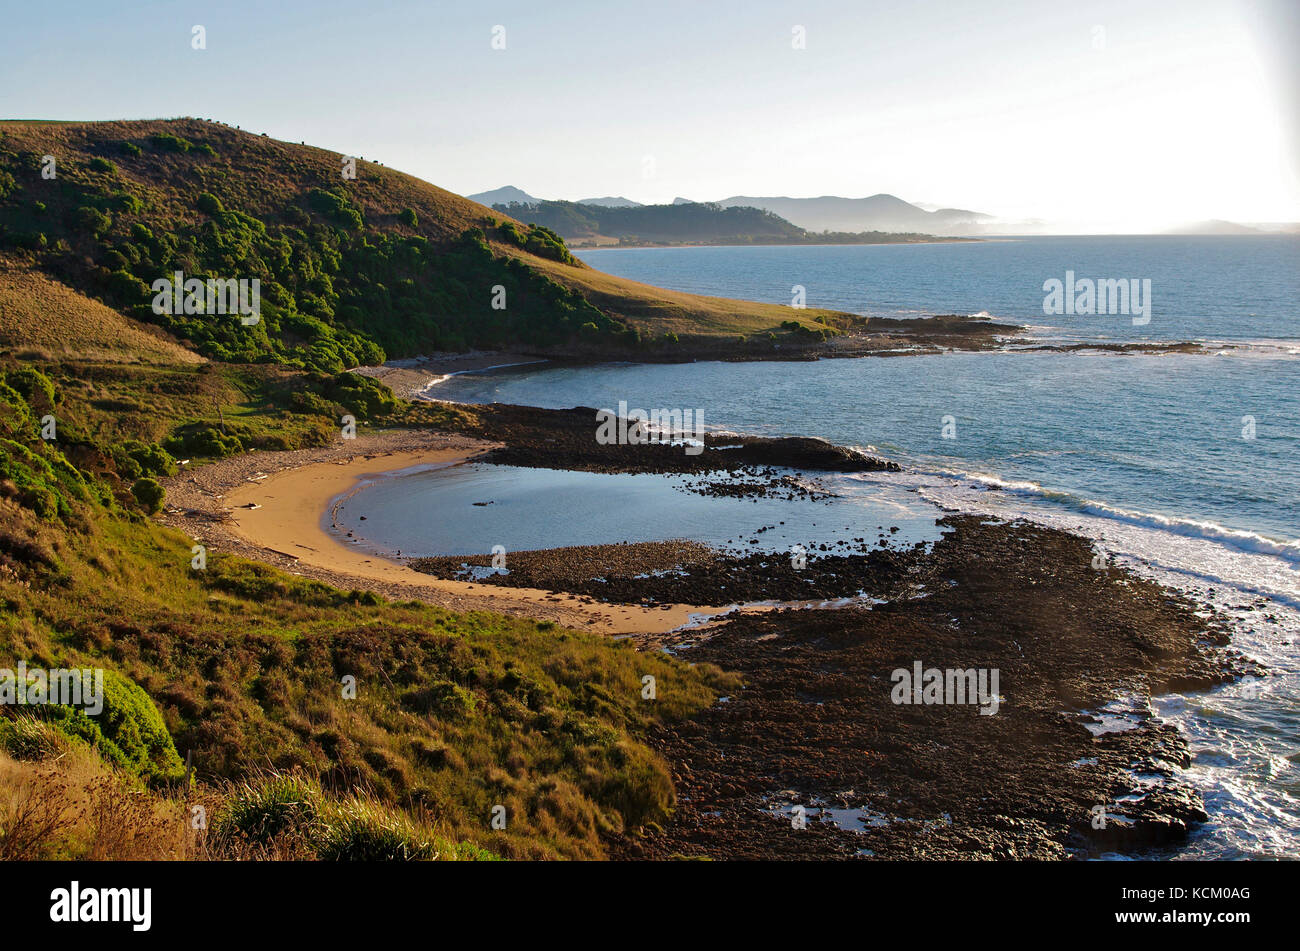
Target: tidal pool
468,509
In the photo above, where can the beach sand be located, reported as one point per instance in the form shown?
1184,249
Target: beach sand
293,493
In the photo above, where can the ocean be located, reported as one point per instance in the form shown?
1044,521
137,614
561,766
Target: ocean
1185,467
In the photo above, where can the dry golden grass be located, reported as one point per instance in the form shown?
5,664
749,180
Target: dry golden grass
42,318
69,805
660,311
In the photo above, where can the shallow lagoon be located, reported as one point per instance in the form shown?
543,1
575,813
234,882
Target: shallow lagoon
438,512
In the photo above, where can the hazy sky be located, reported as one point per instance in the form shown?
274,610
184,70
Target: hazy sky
1128,114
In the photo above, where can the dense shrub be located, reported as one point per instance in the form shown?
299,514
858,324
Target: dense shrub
201,440
149,494
170,143
129,732
92,220
208,203
135,459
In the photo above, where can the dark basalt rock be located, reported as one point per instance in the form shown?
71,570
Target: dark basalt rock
566,439
796,452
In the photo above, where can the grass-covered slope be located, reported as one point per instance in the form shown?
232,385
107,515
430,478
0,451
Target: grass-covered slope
247,669
351,270
40,317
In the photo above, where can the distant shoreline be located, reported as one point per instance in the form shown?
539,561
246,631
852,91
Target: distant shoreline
573,244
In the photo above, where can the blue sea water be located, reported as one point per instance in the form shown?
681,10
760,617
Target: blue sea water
1202,287
1185,467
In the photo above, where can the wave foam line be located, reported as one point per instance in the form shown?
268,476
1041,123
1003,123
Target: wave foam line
1240,539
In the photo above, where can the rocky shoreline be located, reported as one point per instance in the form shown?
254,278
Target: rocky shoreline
813,758
417,377
1071,765
817,725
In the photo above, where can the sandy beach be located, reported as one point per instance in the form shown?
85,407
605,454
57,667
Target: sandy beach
273,506
411,377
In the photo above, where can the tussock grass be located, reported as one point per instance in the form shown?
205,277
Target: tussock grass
69,804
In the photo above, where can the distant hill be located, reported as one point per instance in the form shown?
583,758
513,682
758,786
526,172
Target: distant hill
1214,226
877,213
503,196
613,201
684,223
656,224
829,213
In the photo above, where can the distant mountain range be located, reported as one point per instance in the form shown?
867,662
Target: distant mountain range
828,213
595,223
885,213
1214,226
877,213
508,195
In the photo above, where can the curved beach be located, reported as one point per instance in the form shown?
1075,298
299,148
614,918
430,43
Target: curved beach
274,507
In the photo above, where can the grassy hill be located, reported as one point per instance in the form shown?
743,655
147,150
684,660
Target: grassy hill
352,271
40,317
696,224
240,663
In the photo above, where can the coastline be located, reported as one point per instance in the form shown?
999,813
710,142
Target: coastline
294,493
813,724
415,378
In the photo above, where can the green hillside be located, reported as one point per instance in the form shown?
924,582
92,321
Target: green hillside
351,271
240,664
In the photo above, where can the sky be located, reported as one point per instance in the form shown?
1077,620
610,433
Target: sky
1100,115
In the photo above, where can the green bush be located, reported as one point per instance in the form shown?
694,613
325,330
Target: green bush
128,732
92,220
170,143
98,164
36,389
135,459
127,289
149,494
208,203
201,440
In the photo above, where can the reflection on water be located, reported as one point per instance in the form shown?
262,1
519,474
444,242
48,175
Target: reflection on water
467,509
